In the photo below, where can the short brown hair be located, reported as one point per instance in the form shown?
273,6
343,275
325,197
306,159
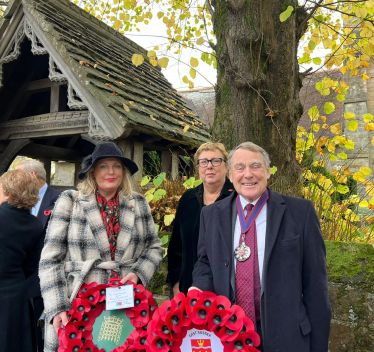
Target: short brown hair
22,188
212,147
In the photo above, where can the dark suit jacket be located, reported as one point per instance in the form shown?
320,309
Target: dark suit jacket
182,251
295,308
48,202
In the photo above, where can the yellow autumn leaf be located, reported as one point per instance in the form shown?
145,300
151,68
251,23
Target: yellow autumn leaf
185,79
372,140
369,127
200,41
344,70
185,129
342,156
124,17
358,176
137,59
126,107
168,219
365,77
193,73
325,126
350,145
363,204
365,170
194,62
336,129
191,85
163,62
117,24
352,125
151,54
367,118
323,118
152,118
354,72
313,113
370,192
160,14
361,12
349,115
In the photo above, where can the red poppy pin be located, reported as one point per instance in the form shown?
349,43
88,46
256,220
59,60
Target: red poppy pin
47,212
230,190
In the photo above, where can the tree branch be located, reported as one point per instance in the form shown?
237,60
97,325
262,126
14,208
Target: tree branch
210,8
309,16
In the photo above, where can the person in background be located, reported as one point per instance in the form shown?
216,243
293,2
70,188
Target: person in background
265,252
211,162
42,210
102,231
20,233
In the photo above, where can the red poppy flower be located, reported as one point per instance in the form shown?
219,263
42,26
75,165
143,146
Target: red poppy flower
201,308
92,296
247,341
247,325
157,344
192,297
235,321
85,287
81,305
102,292
47,212
226,334
96,310
70,333
114,282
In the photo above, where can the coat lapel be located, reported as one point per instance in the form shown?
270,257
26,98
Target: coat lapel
225,221
275,211
127,221
92,215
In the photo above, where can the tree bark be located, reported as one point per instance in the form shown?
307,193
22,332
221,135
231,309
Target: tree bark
258,75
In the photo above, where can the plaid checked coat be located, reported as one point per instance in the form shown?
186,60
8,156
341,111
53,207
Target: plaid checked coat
76,250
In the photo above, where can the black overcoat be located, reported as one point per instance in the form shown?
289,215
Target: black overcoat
295,308
182,251
20,233
46,207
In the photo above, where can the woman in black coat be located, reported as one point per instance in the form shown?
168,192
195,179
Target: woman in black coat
20,233
210,159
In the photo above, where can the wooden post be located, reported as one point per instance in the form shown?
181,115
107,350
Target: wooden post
174,165
127,148
166,162
47,166
55,97
138,159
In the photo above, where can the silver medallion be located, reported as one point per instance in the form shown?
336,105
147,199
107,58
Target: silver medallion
242,252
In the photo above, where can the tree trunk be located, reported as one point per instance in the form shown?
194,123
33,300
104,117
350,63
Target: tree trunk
258,75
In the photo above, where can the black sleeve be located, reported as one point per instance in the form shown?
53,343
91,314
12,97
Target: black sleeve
30,264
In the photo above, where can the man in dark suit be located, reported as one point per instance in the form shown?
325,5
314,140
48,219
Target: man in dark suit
42,211
265,251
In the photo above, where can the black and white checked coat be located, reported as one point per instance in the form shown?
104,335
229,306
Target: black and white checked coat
76,250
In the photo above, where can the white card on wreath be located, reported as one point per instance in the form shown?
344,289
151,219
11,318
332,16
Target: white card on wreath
120,297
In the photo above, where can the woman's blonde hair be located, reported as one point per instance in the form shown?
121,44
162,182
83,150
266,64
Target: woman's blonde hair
211,147
89,185
22,188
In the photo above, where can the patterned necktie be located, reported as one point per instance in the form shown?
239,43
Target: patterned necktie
247,277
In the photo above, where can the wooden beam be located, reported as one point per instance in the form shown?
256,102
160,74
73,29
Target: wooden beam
10,152
72,141
34,150
127,148
87,138
138,159
55,98
41,85
166,161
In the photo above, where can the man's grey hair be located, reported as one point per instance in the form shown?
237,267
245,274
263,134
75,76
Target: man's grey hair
253,148
36,166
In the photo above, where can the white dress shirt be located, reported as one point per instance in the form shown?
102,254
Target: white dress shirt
261,232
35,210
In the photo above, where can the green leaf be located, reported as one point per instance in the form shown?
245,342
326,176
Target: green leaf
352,125
332,157
340,97
311,45
145,180
158,194
190,183
168,219
329,108
284,15
159,179
198,182
313,113
164,239
317,61
342,189
157,227
342,156
150,191
273,170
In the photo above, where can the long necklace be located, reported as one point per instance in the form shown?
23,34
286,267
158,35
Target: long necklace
243,252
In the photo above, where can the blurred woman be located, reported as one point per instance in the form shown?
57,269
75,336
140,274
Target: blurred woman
104,230
210,160
20,232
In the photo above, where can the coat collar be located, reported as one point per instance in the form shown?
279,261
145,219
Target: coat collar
93,216
198,191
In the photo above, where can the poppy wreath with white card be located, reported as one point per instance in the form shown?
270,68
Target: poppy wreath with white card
91,328
201,322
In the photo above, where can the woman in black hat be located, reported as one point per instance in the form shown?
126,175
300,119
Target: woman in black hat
102,231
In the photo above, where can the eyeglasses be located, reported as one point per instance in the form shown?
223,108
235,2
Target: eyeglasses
205,162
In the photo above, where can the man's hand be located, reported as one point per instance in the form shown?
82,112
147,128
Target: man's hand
130,277
58,319
176,289
194,288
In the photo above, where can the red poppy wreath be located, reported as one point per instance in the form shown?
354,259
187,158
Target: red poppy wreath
197,317
88,314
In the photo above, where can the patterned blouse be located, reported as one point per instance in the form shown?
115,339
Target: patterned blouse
109,210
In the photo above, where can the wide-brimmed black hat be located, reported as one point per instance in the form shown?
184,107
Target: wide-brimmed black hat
102,151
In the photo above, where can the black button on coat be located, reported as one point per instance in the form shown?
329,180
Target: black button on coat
182,252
